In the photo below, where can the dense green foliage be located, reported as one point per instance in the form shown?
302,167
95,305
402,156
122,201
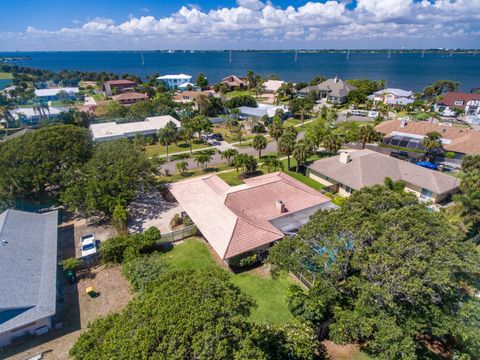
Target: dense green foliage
243,100
128,247
144,272
389,274
39,161
114,175
190,315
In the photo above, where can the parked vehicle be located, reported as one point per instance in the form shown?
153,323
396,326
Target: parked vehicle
372,114
88,245
428,165
217,136
402,155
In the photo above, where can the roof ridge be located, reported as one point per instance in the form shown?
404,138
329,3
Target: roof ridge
231,236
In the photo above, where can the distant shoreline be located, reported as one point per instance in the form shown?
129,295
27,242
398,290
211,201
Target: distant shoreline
303,51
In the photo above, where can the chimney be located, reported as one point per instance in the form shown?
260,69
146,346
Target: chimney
403,123
280,206
345,158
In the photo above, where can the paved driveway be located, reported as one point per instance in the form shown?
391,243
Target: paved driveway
151,209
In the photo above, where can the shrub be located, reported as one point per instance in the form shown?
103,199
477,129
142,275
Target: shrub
187,221
71,264
128,247
450,155
142,272
176,220
244,260
259,128
243,100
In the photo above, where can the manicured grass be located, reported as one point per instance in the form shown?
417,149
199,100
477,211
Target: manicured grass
269,293
191,173
239,93
158,149
227,136
6,76
232,178
306,180
292,122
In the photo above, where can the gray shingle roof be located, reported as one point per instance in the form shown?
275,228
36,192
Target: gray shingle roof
334,87
28,267
368,168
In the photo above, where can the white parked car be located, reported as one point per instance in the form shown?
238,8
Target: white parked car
89,245
372,114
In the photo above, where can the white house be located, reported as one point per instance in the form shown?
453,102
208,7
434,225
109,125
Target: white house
393,97
174,81
31,116
53,94
261,110
111,130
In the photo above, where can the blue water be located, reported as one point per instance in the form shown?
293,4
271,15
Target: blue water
408,71
4,83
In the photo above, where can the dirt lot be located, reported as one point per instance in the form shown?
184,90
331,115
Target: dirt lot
75,309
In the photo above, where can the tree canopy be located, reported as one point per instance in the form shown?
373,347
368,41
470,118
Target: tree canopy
114,175
39,161
389,274
190,315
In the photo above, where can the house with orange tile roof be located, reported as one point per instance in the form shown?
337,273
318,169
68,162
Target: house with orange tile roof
468,103
409,134
248,218
118,86
129,98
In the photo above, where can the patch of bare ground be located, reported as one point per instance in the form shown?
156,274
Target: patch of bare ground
76,311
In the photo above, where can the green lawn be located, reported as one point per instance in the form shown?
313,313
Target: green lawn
269,293
174,177
6,76
239,93
232,178
292,122
227,136
158,149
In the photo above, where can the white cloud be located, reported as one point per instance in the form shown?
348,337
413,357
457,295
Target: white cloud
256,22
145,9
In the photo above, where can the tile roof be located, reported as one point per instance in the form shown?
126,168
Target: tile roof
459,139
368,168
130,96
233,80
28,267
449,99
121,82
273,85
237,219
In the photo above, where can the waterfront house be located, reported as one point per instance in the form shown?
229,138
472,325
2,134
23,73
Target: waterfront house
129,98
467,103
272,86
112,130
261,110
31,117
248,218
112,87
189,96
352,171
234,82
56,93
174,81
393,97
334,90
28,273
409,134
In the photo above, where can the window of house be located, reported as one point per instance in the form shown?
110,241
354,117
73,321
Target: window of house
426,194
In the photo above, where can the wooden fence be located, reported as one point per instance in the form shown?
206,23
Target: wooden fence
178,235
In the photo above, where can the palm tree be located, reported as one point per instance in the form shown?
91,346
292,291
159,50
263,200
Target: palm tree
367,134
272,163
259,143
203,159
228,155
332,143
182,166
167,135
432,143
302,151
286,145
276,129
203,103
397,186
6,114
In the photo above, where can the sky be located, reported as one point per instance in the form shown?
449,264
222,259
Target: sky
33,25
